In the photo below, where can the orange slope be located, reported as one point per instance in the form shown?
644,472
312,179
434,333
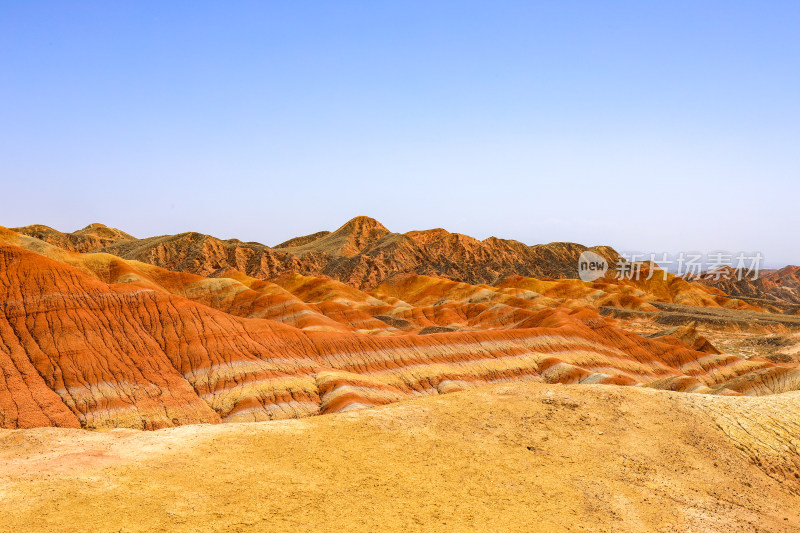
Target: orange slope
91,340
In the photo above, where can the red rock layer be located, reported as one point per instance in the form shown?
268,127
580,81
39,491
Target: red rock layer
92,237
779,286
94,340
362,253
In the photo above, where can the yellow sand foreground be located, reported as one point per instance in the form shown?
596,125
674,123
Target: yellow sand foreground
509,457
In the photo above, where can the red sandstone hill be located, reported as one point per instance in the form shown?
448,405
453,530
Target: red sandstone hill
779,286
362,253
92,237
95,340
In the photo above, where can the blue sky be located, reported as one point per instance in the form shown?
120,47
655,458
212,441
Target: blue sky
652,126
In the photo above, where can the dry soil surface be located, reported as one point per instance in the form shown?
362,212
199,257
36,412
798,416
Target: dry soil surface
509,457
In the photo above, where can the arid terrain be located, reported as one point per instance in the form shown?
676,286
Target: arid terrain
509,457
509,395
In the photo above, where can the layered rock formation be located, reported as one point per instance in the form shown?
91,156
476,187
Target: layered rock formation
92,237
780,286
362,253
94,340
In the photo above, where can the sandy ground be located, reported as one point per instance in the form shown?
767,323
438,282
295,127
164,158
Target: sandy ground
511,457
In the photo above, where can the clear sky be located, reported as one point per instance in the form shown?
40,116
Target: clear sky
652,126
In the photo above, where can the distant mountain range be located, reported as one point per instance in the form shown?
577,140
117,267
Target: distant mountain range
362,253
